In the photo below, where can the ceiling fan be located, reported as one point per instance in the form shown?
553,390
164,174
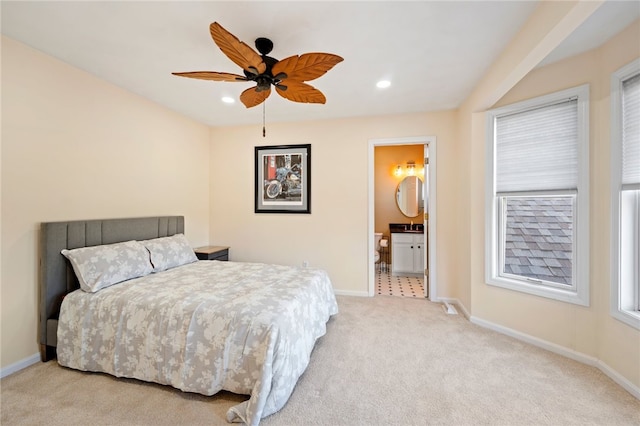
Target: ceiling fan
288,76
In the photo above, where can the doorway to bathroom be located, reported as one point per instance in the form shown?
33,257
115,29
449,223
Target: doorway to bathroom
402,217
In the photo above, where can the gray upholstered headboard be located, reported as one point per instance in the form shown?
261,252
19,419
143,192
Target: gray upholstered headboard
56,274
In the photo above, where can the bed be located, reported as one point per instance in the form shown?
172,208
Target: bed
197,325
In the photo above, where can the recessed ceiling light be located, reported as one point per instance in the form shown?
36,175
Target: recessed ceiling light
383,84
228,100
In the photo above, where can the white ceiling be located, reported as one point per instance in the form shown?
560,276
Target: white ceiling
434,52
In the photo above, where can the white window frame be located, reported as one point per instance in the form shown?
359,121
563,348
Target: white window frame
625,299
579,291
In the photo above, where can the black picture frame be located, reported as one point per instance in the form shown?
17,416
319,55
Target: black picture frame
283,179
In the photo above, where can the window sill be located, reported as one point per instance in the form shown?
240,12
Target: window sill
568,296
631,318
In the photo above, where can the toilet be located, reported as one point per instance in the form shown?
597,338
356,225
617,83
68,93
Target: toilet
376,246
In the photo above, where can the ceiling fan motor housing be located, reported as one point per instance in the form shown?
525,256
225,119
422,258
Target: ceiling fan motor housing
266,79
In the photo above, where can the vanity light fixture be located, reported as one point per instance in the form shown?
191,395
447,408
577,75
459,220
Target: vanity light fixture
411,169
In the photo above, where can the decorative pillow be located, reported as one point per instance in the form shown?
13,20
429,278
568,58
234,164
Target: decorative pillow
102,266
169,252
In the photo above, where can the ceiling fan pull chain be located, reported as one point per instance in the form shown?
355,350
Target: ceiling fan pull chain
264,130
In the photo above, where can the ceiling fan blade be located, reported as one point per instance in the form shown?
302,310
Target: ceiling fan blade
211,75
240,53
297,91
251,97
306,67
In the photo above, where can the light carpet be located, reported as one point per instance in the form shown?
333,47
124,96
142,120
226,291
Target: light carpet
384,361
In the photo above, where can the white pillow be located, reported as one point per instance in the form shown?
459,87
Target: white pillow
169,252
98,267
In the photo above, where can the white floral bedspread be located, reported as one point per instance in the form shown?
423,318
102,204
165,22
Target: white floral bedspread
247,328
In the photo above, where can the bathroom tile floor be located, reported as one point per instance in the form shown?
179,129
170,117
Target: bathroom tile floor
388,285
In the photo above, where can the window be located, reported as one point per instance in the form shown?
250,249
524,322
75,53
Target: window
625,194
537,225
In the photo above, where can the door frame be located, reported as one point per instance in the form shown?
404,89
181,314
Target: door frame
429,143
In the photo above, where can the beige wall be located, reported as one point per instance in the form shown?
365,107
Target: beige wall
618,344
588,330
546,28
64,134
386,159
334,236
76,147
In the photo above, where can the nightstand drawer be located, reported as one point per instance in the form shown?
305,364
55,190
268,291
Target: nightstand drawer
212,253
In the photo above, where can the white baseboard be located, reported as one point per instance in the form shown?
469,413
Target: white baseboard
561,350
552,347
619,379
17,366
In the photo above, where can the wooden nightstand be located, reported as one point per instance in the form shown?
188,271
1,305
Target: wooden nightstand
212,253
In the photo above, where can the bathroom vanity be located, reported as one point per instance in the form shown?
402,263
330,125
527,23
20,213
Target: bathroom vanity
407,249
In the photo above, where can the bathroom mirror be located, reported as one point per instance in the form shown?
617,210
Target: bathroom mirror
409,196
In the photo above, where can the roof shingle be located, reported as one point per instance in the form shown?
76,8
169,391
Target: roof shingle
538,238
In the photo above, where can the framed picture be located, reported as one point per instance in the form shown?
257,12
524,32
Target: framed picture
283,179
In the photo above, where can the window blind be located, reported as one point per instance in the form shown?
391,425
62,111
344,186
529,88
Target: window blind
631,131
537,149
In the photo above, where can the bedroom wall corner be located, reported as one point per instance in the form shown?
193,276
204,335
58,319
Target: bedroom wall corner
547,27
618,345
75,147
590,331
334,236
